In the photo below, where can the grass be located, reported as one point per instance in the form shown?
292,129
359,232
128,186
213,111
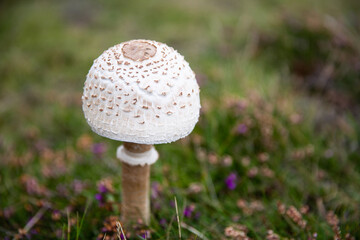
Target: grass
275,154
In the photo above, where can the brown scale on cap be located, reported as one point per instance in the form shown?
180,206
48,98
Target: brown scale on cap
138,50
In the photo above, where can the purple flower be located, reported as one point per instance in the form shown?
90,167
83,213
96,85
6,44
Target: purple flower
34,231
8,212
102,188
155,190
188,211
78,186
99,197
99,149
163,222
241,129
230,181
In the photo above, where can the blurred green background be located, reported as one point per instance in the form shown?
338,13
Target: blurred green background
280,96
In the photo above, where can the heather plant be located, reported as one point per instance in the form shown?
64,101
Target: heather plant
275,153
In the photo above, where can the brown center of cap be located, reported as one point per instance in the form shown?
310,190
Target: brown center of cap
138,50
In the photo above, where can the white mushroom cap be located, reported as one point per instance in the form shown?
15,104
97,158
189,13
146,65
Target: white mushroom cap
141,91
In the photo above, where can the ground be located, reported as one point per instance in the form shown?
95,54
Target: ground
275,154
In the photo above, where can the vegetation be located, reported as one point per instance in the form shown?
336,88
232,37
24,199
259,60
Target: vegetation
275,154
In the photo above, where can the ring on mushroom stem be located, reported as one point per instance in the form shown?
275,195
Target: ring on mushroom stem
140,92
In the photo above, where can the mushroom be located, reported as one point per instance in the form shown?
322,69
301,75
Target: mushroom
140,92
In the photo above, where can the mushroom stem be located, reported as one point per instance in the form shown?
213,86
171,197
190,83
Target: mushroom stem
137,148
135,187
